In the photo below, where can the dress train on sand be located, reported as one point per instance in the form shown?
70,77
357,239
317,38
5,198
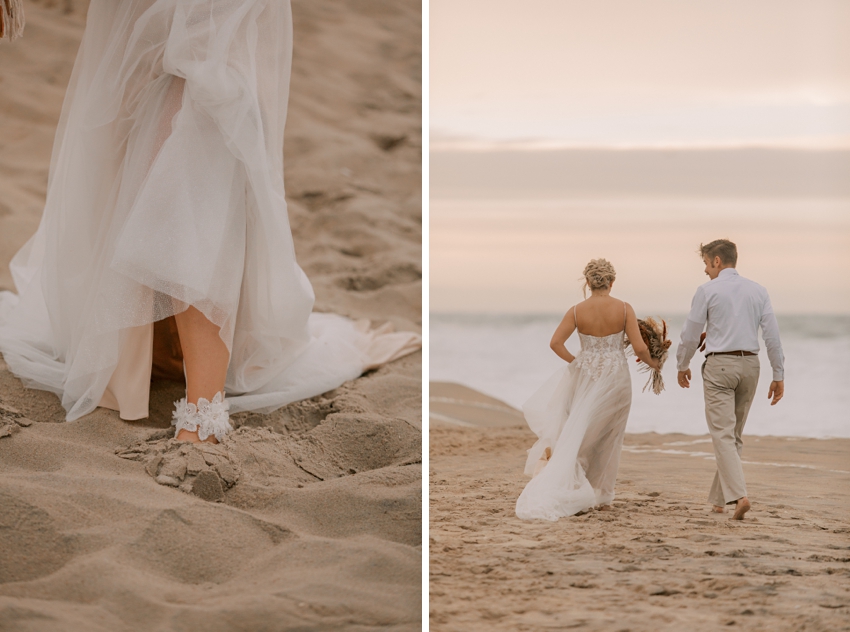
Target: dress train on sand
166,191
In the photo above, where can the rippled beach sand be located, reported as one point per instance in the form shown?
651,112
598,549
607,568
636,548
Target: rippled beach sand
661,560
308,518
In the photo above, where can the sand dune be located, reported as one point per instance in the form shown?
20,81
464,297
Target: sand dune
308,518
660,560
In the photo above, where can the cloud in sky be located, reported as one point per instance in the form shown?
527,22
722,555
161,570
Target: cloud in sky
655,72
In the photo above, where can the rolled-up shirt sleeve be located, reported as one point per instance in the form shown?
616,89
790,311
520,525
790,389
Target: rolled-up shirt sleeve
770,333
689,340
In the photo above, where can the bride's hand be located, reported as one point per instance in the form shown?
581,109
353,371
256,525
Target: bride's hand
652,363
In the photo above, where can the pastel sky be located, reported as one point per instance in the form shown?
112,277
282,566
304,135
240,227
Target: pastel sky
624,74
647,73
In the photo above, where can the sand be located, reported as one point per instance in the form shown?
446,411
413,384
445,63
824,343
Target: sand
308,518
660,560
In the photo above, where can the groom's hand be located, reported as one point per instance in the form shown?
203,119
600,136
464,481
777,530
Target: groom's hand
685,378
777,390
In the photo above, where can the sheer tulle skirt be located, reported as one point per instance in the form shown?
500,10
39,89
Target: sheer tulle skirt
165,191
581,421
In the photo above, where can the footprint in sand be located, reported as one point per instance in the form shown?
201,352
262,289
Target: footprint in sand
204,469
343,444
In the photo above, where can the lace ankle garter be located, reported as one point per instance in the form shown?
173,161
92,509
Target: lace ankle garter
208,418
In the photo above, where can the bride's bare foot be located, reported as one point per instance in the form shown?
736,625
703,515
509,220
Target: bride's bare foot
192,437
718,509
741,507
185,435
605,508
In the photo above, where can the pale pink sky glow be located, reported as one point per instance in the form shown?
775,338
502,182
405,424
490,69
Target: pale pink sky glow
648,73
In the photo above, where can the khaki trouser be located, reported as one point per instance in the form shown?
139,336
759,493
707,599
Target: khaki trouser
729,383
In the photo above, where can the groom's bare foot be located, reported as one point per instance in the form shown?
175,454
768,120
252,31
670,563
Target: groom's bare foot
718,509
741,507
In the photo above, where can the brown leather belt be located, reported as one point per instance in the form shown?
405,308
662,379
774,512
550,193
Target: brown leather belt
737,353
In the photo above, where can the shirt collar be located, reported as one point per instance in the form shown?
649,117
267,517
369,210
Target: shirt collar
728,272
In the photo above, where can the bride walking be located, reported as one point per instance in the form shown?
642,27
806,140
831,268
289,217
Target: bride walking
579,415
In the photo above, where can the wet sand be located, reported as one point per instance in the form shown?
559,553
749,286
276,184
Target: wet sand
660,560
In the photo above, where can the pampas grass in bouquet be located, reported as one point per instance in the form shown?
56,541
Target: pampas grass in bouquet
654,334
11,19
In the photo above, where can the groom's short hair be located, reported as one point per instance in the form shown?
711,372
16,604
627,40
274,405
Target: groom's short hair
723,248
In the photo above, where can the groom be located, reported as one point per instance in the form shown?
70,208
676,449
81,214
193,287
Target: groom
731,309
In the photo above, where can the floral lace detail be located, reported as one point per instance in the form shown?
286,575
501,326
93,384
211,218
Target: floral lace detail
208,418
600,357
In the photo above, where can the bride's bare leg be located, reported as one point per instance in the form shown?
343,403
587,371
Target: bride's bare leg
206,358
205,355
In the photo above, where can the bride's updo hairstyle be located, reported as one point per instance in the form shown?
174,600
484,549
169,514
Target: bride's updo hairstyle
598,275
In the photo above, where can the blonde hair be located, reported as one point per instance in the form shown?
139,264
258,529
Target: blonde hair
598,275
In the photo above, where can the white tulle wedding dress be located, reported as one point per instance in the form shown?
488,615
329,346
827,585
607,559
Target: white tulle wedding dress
165,191
579,416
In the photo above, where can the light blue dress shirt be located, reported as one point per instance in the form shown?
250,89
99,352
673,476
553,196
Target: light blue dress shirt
731,309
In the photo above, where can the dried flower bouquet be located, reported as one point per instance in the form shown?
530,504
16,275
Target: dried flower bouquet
654,334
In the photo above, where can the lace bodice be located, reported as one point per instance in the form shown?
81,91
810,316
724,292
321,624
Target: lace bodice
600,356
